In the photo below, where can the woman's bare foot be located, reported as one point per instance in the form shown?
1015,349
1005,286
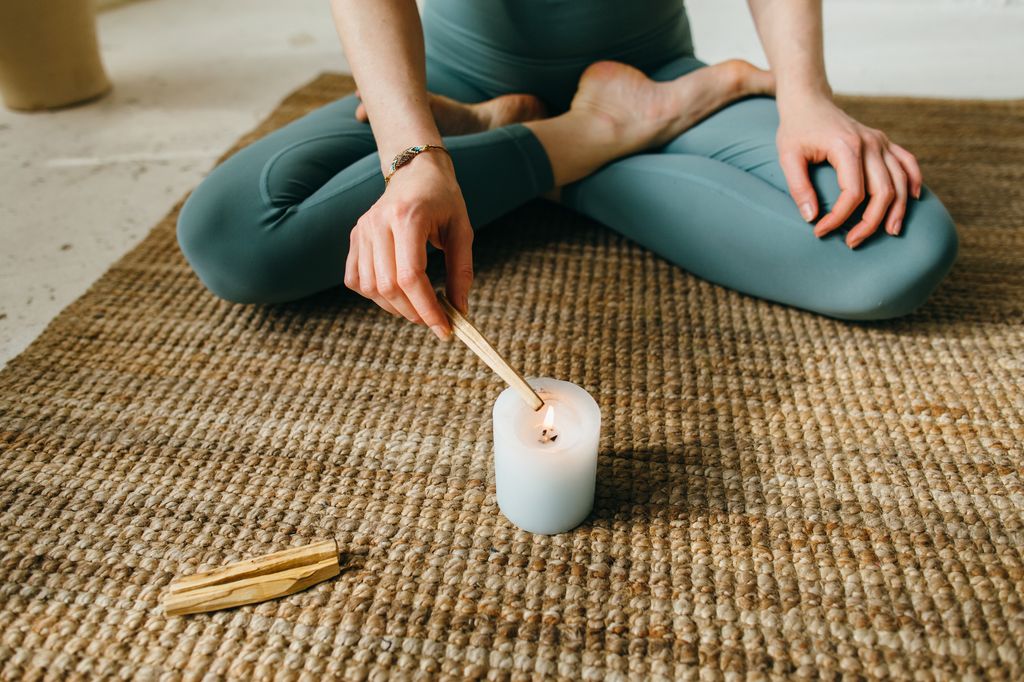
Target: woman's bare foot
618,111
458,118
644,113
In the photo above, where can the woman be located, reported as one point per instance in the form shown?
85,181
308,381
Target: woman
600,105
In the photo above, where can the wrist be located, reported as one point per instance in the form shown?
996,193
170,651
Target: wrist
420,159
394,145
794,95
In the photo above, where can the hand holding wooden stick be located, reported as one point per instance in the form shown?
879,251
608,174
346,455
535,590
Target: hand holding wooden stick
469,335
253,580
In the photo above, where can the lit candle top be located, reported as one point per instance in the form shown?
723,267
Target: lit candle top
556,427
553,428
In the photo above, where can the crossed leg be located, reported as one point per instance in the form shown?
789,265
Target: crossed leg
271,223
714,201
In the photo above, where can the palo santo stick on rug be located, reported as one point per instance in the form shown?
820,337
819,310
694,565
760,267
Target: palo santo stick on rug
469,335
253,580
261,565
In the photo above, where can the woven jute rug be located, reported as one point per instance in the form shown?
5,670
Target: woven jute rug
779,494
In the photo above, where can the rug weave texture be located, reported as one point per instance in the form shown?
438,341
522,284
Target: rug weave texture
779,495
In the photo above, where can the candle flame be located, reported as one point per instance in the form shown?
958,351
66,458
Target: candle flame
549,417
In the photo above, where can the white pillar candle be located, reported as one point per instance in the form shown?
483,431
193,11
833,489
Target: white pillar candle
545,476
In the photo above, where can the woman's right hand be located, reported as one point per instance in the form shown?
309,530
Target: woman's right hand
387,257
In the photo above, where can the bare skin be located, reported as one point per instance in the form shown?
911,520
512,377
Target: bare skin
664,109
616,107
458,118
424,203
616,111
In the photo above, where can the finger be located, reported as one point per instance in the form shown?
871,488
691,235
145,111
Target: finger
411,274
383,303
368,279
881,194
850,175
361,113
387,280
364,264
910,165
894,221
794,167
458,265
352,264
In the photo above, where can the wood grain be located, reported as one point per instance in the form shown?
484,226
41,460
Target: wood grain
471,336
262,565
249,591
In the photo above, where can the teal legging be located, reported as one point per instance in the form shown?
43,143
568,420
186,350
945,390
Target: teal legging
271,223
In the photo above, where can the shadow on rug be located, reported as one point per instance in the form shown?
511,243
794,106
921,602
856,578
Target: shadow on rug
779,494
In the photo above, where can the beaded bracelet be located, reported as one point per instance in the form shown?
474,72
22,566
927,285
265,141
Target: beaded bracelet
408,155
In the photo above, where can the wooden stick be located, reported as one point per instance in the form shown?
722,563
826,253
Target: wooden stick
469,335
249,591
253,580
261,565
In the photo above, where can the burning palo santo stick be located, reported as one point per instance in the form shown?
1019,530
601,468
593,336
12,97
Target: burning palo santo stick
469,335
253,580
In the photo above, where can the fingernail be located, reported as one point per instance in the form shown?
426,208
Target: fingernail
854,243
819,232
807,211
897,228
440,332
917,193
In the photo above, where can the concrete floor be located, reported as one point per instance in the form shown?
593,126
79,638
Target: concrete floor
81,186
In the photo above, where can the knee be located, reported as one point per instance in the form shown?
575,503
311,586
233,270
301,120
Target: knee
906,270
221,243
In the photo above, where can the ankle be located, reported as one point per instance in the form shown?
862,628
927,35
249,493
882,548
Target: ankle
601,130
734,77
578,143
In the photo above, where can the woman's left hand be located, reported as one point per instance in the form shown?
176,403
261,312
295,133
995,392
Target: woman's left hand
868,164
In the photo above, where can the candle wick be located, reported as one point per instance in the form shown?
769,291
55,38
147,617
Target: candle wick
548,434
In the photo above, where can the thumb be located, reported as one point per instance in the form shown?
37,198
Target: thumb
794,167
458,265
